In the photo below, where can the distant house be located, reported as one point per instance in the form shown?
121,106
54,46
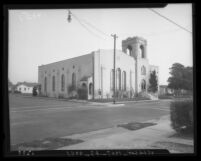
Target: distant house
163,90
25,87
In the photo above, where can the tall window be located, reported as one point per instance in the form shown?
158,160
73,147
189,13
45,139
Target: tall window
143,70
142,51
53,83
124,80
62,82
45,84
118,85
112,79
129,50
90,88
73,80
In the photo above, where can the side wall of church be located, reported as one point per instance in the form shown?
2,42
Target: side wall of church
81,66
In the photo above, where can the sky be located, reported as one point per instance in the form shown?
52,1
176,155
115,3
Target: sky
38,37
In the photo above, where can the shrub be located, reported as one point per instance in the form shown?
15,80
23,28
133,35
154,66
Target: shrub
181,115
125,95
34,92
71,88
61,96
165,97
118,94
82,93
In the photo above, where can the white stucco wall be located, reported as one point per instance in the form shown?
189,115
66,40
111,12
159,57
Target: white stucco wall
82,67
103,65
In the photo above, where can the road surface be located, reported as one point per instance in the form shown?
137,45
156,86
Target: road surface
36,118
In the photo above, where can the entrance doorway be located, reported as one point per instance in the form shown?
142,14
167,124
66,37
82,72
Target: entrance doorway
143,85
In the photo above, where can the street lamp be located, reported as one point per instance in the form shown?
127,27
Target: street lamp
69,16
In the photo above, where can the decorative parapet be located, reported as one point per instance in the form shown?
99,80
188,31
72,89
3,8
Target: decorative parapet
134,39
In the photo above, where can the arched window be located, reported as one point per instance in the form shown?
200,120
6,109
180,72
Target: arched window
73,80
129,50
53,83
143,70
90,88
124,80
62,82
118,85
142,51
143,85
112,79
45,85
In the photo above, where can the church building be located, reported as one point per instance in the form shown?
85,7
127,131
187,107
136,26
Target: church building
93,73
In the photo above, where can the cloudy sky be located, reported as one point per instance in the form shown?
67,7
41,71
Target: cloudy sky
39,37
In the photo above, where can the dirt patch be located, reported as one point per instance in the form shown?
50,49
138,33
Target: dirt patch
45,144
174,147
136,125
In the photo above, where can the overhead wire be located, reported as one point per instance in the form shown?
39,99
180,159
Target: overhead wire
169,20
85,26
100,31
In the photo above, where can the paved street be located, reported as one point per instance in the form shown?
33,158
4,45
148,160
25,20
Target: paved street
39,118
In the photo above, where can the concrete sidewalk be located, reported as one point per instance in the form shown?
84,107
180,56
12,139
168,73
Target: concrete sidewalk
120,138
84,101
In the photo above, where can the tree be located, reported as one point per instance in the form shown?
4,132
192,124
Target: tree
176,79
188,78
34,92
153,83
181,77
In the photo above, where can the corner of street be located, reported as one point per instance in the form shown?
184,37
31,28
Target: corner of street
95,124
152,137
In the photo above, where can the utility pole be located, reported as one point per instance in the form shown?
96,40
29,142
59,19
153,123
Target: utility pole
114,36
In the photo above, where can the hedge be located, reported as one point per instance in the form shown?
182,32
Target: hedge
181,115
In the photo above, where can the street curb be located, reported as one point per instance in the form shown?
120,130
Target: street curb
120,102
86,101
38,97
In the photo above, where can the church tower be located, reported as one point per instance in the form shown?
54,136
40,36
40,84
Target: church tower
136,47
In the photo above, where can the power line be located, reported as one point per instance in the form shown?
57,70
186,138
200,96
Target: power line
85,26
96,28
169,20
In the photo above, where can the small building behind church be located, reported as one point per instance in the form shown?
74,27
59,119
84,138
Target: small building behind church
25,87
93,73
